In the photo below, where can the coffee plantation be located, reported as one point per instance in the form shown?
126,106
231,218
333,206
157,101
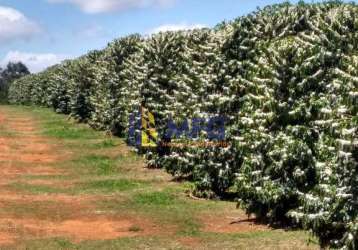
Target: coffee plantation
286,79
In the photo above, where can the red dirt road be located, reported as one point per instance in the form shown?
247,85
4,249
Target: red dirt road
23,152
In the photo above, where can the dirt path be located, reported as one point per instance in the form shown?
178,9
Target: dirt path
43,195
24,152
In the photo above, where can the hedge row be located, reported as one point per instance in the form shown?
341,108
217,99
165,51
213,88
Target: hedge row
286,79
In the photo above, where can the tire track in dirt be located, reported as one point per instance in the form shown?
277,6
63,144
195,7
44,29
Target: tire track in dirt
23,151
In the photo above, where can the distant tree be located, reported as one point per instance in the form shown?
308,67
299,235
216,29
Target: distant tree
11,72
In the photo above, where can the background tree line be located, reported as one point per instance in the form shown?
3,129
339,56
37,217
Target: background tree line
7,75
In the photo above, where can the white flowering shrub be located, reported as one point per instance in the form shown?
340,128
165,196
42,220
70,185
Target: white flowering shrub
113,86
286,80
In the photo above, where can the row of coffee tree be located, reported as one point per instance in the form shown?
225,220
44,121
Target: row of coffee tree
286,80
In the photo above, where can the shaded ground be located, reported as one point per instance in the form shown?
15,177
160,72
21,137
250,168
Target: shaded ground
64,186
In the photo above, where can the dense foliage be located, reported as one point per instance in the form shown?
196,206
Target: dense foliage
285,77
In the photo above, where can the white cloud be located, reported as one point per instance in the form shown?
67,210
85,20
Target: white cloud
101,6
14,25
35,62
175,27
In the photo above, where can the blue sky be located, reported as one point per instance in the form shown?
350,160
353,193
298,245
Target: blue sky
43,32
